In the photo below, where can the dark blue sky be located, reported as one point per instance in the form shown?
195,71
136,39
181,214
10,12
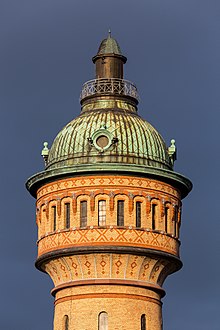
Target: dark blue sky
173,52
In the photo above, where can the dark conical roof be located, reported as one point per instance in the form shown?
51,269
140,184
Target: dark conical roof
109,46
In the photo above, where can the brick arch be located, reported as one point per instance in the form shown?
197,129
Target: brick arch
121,196
63,201
101,192
155,213
77,210
80,197
43,219
167,216
143,219
52,203
106,219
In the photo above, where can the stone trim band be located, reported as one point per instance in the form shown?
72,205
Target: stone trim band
140,284
107,295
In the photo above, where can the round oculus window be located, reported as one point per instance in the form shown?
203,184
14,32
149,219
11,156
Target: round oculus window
102,141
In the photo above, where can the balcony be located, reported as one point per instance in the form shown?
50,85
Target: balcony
112,86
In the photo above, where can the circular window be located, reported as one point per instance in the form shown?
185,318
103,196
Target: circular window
102,141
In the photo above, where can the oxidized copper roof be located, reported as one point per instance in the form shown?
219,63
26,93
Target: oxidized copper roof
108,129
109,135
109,46
132,140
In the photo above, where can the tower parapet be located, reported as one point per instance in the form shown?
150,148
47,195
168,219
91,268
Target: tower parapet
108,209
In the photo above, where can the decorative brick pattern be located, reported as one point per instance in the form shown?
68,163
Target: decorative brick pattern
99,279
108,237
67,269
108,181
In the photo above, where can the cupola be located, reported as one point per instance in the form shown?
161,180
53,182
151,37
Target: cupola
109,135
109,60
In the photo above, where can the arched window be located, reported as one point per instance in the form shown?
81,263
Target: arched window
138,214
66,322
102,213
103,321
143,322
54,217
83,214
166,218
120,213
154,206
67,215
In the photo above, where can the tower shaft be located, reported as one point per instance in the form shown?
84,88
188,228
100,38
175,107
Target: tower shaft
99,267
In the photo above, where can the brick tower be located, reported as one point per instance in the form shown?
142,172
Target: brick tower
108,209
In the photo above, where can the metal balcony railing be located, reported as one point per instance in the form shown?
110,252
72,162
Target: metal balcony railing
111,86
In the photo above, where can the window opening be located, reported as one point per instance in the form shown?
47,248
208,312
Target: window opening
102,213
120,213
154,216
83,214
138,214
54,218
143,322
66,322
67,215
103,321
166,218
175,220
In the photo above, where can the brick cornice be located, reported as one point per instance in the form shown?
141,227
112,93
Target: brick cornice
106,249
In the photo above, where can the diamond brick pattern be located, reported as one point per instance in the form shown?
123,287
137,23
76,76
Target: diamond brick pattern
108,236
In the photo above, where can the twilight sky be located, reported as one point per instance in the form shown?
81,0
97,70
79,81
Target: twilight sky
173,50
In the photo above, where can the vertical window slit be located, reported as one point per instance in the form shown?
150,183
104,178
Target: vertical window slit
83,214
103,321
138,214
102,213
67,215
120,213
54,217
143,322
166,218
154,216
175,220
66,322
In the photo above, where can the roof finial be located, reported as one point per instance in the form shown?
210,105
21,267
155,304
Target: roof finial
172,151
109,33
45,152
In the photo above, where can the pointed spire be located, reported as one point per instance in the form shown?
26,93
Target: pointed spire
109,33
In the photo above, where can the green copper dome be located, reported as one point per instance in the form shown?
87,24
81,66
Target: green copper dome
108,130
108,136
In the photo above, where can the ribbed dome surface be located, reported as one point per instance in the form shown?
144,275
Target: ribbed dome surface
132,140
109,46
